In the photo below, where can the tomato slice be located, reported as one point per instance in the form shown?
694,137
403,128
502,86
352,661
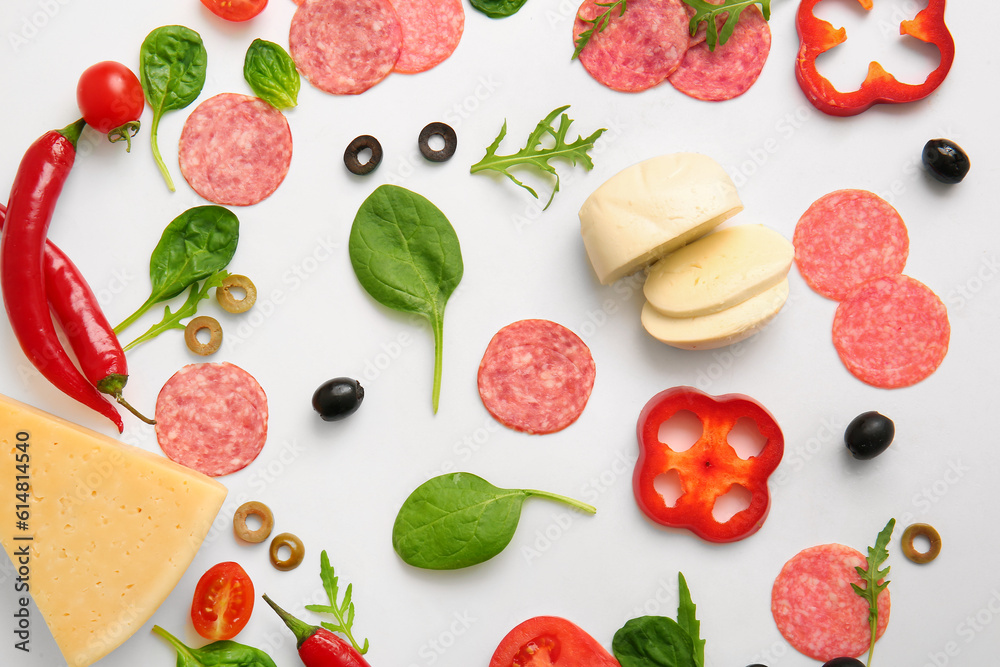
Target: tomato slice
549,640
223,602
235,10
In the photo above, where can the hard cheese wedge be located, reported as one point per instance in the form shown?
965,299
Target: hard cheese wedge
108,529
718,271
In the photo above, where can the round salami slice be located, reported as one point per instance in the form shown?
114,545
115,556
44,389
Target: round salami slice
345,47
536,376
815,608
212,418
638,50
235,149
892,332
431,30
732,68
847,238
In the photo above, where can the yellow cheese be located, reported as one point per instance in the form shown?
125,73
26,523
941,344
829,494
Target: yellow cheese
718,271
652,208
108,529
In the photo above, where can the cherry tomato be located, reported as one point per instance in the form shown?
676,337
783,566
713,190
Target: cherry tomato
550,640
235,10
223,602
109,96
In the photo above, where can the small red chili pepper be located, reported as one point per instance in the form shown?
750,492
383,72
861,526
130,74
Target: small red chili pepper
710,468
39,180
318,647
817,36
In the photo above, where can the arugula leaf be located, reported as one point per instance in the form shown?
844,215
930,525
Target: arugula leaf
872,576
653,641
708,12
598,24
534,154
687,620
343,612
187,309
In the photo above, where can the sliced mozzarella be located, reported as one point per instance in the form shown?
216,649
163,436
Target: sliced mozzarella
652,208
718,271
718,329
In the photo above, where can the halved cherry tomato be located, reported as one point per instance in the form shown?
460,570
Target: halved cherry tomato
235,10
223,602
549,640
110,96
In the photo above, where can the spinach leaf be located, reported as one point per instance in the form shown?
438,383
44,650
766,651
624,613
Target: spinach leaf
653,641
686,619
271,73
498,9
343,612
172,63
195,245
406,255
457,520
224,653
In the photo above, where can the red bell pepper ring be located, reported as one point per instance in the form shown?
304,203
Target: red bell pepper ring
710,468
817,36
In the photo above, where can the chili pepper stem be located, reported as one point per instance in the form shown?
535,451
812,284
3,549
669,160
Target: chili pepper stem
576,504
300,629
121,400
72,131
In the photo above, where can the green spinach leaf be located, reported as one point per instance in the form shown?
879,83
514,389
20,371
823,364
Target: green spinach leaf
498,9
343,612
172,62
536,155
653,641
188,309
711,13
271,73
195,245
688,621
457,520
406,255
224,653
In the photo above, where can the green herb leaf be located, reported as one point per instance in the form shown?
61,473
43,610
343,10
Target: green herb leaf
217,654
172,62
195,245
406,255
534,154
457,520
711,13
653,641
498,9
188,309
343,612
687,620
875,580
598,24
271,73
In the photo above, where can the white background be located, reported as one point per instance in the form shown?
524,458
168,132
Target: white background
339,485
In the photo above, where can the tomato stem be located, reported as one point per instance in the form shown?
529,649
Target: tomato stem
125,133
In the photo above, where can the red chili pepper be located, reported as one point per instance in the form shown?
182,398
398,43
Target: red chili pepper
318,647
817,36
710,468
37,185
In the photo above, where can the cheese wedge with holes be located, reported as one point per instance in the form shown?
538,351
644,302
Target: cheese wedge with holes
725,327
107,531
718,271
652,208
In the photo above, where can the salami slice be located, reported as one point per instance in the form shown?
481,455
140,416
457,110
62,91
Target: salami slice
431,30
892,332
235,149
847,238
638,50
815,608
345,47
732,68
536,376
212,418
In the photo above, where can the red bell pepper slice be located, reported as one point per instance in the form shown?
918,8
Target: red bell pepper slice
710,468
817,36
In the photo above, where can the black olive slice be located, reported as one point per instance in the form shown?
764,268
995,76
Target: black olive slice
445,132
358,145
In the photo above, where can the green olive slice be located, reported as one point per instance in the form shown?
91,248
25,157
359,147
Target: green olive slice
921,530
229,301
298,552
259,510
214,331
